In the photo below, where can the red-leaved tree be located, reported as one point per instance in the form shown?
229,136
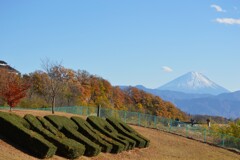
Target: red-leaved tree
12,87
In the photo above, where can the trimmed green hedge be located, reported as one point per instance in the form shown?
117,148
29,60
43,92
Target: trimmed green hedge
126,130
47,125
20,120
117,147
69,128
15,130
105,128
67,148
87,130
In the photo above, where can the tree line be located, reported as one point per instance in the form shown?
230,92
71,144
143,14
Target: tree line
58,86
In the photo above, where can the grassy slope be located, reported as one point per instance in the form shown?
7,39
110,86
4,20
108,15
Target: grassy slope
163,146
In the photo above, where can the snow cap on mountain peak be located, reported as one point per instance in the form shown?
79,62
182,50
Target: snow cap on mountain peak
198,80
194,82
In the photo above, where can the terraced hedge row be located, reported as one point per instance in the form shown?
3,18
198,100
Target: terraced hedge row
12,127
105,128
65,147
129,132
69,137
87,130
69,128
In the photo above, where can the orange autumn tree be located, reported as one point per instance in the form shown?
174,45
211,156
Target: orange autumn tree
12,87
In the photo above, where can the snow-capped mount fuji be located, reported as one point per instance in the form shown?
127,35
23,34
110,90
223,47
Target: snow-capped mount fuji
194,82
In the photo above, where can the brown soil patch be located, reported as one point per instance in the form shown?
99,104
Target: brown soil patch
163,146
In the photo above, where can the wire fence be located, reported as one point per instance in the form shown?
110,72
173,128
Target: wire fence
150,121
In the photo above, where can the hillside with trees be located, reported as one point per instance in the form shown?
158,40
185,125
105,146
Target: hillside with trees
60,86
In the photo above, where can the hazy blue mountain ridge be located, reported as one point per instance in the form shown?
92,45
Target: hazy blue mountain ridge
194,93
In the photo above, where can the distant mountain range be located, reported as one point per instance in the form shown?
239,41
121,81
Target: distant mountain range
226,105
194,93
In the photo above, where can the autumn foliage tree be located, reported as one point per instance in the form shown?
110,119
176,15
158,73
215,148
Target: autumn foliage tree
60,86
12,87
54,83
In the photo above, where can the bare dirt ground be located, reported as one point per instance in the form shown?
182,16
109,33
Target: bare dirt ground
163,146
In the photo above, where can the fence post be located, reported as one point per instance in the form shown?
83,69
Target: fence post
223,140
75,110
111,113
81,110
88,111
204,132
125,116
139,118
186,130
145,120
155,121
115,113
170,125
98,110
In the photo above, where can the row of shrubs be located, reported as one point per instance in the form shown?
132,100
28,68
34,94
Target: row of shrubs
69,137
18,131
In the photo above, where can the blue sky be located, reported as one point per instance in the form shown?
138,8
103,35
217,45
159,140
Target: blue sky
127,42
